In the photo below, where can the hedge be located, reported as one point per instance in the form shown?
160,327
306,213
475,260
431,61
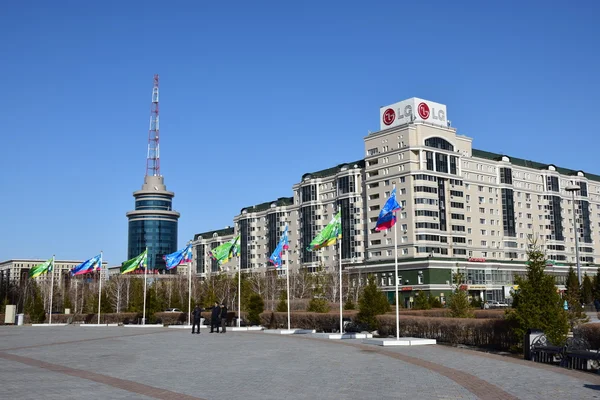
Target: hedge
322,322
589,332
490,333
444,312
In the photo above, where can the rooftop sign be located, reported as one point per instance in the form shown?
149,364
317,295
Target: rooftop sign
413,109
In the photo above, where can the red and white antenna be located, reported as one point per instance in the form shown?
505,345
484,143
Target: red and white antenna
153,159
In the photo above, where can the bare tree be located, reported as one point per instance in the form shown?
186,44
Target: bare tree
116,288
300,284
127,290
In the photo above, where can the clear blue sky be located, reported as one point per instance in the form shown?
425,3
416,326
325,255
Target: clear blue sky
254,94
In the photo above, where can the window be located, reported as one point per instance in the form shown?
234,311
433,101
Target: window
429,160
439,143
441,164
506,176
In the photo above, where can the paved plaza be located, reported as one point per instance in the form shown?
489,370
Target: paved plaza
157,363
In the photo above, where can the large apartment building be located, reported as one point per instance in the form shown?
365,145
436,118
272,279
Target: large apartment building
463,210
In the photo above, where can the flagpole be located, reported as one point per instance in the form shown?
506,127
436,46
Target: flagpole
340,258
190,292
396,276
287,278
239,288
51,290
145,276
99,287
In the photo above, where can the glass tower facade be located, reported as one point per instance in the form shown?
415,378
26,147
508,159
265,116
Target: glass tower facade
153,223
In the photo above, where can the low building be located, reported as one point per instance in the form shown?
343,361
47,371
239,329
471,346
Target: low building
14,271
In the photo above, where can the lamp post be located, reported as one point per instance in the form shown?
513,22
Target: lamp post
573,189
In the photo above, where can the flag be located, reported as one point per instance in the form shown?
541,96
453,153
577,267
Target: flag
88,266
179,257
225,251
329,234
386,218
135,263
41,269
282,245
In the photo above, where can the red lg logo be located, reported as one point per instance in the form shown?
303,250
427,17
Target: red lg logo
389,116
423,110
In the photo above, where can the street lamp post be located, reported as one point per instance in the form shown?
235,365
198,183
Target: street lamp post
573,189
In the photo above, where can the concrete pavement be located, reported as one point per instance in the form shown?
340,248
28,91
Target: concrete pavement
117,363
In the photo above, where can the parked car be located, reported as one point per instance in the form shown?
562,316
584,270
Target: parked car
173,310
497,304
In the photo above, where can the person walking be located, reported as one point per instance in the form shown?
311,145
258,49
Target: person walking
223,318
197,314
215,317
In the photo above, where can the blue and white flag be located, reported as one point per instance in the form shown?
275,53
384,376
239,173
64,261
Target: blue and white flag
179,257
88,266
282,245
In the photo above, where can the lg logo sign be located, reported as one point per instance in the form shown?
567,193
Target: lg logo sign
406,115
423,110
389,116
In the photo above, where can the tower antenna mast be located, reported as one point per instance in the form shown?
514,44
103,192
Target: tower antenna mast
153,159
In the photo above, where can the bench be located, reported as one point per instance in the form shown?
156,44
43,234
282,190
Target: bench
543,351
579,356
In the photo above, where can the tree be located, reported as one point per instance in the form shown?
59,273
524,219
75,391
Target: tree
67,303
255,307
434,302
318,303
373,302
116,289
349,305
537,304
421,301
575,313
282,305
587,290
34,305
596,285
459,305
458,300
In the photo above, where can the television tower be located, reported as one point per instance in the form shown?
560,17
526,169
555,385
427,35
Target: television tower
153,159
153,222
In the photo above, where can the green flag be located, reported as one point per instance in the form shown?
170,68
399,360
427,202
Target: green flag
226,251
135,263
329,234
41,269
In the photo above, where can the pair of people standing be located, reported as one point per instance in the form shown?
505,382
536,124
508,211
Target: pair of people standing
219,318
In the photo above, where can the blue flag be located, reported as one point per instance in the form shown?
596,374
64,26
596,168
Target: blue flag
88,266
282,245
179,257
386,218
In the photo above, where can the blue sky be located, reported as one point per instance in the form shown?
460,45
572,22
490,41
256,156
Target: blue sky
254,94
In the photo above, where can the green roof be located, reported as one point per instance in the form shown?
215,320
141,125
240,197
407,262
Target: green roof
531,164
208,235
334,170
282,201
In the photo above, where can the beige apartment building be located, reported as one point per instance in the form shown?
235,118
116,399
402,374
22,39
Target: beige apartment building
463,210
14,271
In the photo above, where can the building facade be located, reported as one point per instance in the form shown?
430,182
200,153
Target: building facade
16,271
153,223
463,210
